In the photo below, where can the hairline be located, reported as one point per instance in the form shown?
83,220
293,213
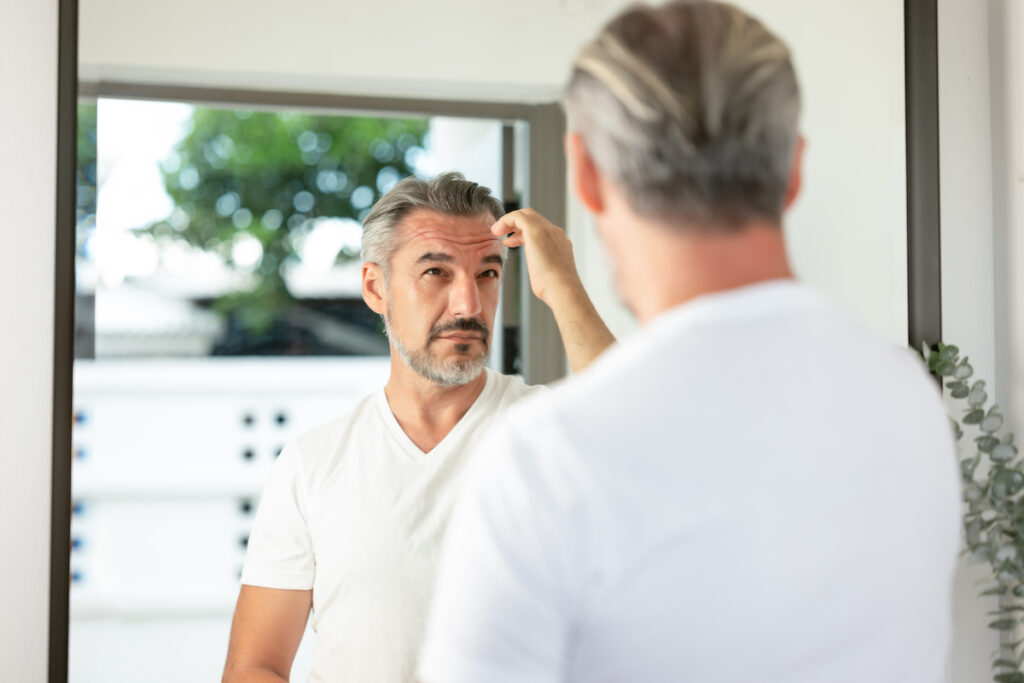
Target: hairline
385,268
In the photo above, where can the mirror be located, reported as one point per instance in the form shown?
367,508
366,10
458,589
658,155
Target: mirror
226,154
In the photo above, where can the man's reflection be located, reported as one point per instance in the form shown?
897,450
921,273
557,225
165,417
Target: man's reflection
351,518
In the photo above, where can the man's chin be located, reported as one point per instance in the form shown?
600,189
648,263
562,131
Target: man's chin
458,372
462,354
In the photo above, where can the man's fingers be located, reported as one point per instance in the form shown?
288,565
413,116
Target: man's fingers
519,220
505,225
510,235
511,227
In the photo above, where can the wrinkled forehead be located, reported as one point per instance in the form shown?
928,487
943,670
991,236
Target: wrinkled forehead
459,235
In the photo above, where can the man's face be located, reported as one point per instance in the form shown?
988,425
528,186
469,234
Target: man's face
442,294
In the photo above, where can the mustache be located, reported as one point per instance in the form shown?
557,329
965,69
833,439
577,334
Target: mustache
460,325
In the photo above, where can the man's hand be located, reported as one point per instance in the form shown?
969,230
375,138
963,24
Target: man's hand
549,258
556,282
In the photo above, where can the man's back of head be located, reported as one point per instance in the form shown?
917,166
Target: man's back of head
684,145
692,109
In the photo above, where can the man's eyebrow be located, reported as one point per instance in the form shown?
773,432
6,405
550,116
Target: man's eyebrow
435,257
493,258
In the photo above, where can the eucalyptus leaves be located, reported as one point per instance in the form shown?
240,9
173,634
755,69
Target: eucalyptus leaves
994,506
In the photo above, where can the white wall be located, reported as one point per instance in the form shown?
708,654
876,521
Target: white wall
965,134
28,123
1006,59
465,48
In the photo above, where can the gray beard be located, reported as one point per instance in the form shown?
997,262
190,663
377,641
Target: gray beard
454,373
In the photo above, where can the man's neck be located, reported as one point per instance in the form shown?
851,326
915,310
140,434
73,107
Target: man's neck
425,411
685,265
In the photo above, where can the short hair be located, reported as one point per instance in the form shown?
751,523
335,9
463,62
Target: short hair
691,108
448,193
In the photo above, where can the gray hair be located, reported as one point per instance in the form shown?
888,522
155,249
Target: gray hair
448,193
691,108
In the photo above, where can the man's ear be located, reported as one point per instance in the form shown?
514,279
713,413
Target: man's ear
796,174
586,179
373,288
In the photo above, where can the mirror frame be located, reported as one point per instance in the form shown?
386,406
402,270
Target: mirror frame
542,357
921,81
63,339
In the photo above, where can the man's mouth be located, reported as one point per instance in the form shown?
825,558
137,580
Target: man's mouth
461,332
461,338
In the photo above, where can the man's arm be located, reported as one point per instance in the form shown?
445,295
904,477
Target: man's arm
265,633
556,282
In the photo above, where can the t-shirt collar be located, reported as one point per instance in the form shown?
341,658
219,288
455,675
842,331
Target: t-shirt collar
441,449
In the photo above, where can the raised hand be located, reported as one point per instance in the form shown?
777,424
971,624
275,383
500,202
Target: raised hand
556,282
549,258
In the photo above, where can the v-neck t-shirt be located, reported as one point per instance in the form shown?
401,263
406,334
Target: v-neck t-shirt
355,511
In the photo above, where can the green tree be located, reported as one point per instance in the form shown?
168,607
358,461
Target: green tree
269,175
85,175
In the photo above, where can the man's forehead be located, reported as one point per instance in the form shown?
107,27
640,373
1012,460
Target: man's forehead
458,232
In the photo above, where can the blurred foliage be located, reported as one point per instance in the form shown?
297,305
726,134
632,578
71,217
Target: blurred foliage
992,481
239,176
85,175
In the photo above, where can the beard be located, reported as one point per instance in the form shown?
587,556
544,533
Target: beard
449,373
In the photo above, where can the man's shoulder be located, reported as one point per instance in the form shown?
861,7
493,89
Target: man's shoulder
327,436
674,360
512,388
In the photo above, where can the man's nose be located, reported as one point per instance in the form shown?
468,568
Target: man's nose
464,299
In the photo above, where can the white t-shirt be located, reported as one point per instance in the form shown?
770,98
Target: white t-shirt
751,489
355,511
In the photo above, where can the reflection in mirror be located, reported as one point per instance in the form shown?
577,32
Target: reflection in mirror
218,314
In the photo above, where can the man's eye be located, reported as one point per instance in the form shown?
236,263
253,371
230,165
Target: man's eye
434,271
490,273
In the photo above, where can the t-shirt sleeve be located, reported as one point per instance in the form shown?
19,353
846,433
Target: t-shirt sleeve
280,550
504,599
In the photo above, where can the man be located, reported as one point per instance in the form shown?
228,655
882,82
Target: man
351,518
752,488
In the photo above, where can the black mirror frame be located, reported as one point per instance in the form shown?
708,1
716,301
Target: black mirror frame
924,264
63,338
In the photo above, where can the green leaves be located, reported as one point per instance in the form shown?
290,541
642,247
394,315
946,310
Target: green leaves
963,370
994,515
86,179
1006,482
263,178
1003,453
987,444
991,423
973,492
958,389
1015,677
973,417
